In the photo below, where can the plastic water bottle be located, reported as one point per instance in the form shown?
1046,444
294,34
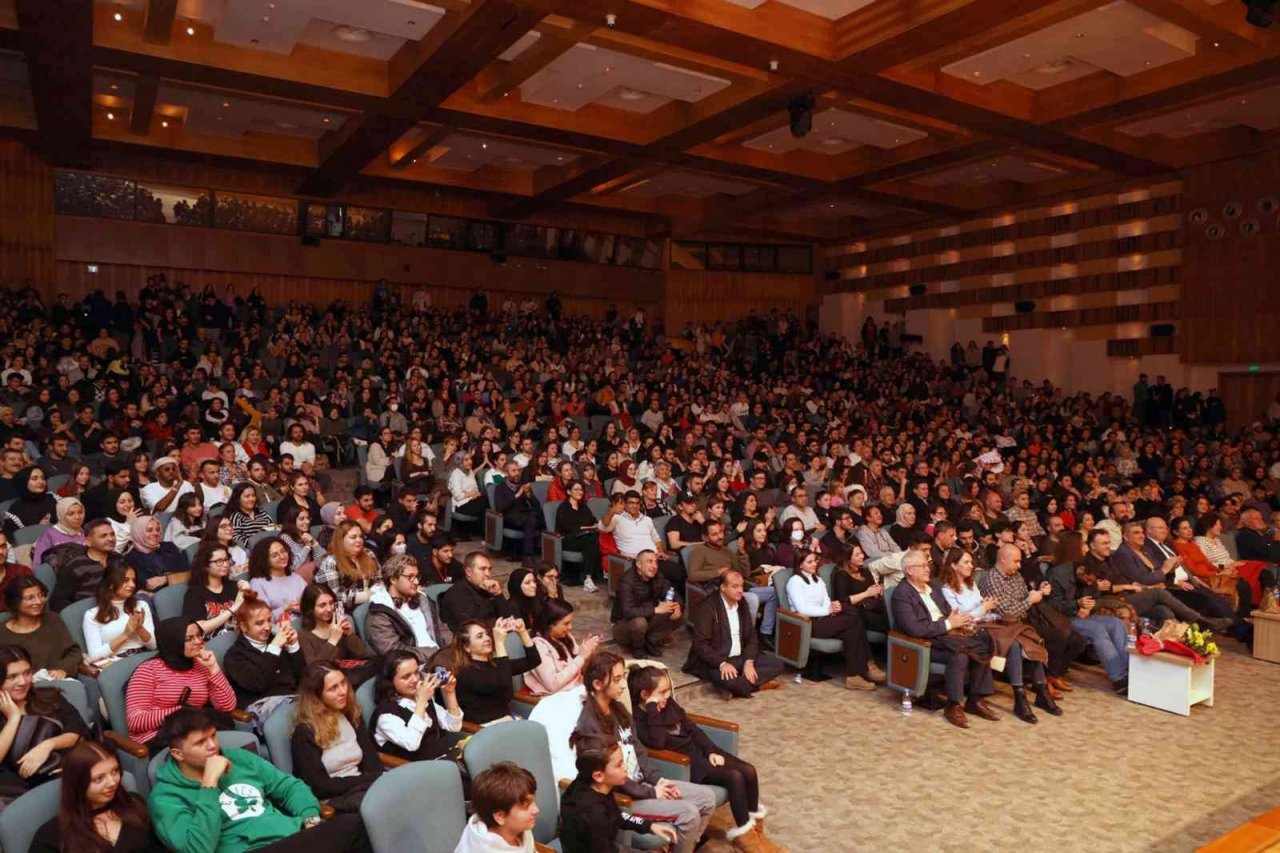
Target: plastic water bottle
799,678
906,703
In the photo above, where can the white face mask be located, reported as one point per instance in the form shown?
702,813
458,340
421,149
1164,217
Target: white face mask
797,535
398,548
394,406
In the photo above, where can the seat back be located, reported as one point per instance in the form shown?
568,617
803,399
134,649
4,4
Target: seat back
45,574
113,683
539,490
395,819
598,507
168,601
367,697
73,617
515,651
22,819
77,696
526,744
1229,542
276,731
780,579
549,509
358,616
436,590
29,534
888,604
490,490
221,644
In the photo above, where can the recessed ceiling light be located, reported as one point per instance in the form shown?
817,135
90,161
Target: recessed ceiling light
832,205
164,124
631,95
579,85
559,157
325,119
607,69
1146,62
266,18
111,116
191,31
1056,67
353,35
286,125
555,100
977,74
834,141
1079,35
1216,44
226,104
115,86
1244,100
484,145
271,5
118,17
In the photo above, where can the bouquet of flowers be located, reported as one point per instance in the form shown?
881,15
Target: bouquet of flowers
1200,640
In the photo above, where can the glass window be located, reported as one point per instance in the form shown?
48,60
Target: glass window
445,232
244,212
174,205
81,194
409,228
368,223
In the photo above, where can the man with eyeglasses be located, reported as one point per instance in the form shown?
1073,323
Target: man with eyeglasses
401,617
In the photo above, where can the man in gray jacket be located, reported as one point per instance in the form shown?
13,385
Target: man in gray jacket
401,616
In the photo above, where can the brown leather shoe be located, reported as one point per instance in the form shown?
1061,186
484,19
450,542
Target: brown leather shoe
1059,683
774,684
980,708
1052,692
955,715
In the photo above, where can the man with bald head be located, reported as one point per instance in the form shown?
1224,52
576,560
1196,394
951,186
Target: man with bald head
921,611
1014,601
1183,585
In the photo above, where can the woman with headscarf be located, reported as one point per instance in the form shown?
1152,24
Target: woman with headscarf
331,515
159,563
34,504
69,528
183,674
525,594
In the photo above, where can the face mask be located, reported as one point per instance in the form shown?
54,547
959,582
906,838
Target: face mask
398,548
394,407
797,535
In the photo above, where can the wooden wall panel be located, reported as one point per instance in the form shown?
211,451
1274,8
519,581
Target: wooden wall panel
1231,291
26,216
695,296
127,252
1247,395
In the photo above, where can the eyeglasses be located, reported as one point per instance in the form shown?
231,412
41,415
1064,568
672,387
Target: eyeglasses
216,560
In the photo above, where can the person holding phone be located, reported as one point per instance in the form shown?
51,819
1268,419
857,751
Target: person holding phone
484,671
416,711
328,634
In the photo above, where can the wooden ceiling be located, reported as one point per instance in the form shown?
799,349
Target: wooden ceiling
924,109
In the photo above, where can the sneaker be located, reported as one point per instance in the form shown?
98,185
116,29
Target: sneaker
588,585
876,674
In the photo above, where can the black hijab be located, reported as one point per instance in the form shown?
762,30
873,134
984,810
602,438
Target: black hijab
171,639
526,605
31,507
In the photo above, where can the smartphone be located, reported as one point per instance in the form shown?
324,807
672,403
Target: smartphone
441,673
339,612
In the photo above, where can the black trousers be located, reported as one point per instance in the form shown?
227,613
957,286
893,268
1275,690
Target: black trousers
965,678
529,524
344,834
1205,601
1160,606
740,780
588,545
767,669
639,633
673,570
846,626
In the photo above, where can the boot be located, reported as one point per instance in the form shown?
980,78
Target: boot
767,844
745,838
875,673
1044,701
1021,707
761,812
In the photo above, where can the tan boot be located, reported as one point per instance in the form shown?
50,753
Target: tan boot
746,839
767,844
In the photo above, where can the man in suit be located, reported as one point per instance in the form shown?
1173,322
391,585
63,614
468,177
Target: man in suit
919,610
1183,585
726,648
520,509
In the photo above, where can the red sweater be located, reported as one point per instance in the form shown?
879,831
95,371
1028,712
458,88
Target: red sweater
154,690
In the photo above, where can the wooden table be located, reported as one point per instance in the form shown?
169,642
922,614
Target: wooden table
1170,682
1266,636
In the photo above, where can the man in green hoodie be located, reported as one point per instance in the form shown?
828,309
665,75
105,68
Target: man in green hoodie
208,801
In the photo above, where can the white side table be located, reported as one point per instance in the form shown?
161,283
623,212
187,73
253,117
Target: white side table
1170,682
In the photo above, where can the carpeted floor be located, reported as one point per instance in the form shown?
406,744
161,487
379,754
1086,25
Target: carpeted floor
845,770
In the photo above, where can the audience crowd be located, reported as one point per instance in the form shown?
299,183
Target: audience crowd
166,476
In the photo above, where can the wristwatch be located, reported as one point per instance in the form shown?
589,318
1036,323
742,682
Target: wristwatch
310,822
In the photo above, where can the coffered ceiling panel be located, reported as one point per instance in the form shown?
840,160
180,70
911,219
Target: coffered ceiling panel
1119,38
685,183
1008,168
1258,109
831,9
836,131
467,153
587,73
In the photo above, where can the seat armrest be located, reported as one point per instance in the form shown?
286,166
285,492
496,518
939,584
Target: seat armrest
241,716
672,765
125,745
722,733
791,638
390,761
469,727
542,848
791,614
712,722
327,812
915,641
670,757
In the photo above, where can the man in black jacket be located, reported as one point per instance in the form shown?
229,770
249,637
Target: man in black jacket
726,648
645,611
520,509
1255,543
476,596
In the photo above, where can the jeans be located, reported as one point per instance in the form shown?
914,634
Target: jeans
768,596
1110,640
1015,663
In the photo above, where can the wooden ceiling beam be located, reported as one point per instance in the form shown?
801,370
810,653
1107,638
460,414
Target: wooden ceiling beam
426,139
145,90
160,17
428,72
57,41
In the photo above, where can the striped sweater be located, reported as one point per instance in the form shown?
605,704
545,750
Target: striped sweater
154,691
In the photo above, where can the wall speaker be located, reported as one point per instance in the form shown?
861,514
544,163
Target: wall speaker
1162,330
801,110
309,240
917,290
833,275
1024,306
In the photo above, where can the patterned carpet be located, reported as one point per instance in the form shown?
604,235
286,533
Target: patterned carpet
845,771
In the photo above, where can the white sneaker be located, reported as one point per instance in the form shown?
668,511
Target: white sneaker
589,585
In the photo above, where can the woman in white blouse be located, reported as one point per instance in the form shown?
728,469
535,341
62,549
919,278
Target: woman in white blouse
120,624
186,527
407,722
829,619
960,590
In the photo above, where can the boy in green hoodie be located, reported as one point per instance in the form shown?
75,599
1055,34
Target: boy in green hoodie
207,801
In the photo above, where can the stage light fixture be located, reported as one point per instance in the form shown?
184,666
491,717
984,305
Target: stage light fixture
1260,13
801,110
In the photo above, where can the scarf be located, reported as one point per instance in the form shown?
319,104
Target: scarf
329,513
171,638
63,507
138,534
30,507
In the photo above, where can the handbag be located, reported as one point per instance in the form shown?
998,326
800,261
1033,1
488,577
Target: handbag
1226,586
34,730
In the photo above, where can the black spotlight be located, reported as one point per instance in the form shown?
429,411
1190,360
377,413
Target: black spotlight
1260,13
801,109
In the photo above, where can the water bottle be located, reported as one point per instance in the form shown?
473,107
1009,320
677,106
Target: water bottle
906,703
670,596
799,678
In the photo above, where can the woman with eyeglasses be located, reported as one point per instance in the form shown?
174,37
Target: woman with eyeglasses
41,633
183,674
220,532
212,599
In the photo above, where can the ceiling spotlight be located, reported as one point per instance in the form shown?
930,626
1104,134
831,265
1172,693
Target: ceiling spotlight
484,145
325,119
226,104
611,20
118,17
631,95
164,123
353,35
1259,12
115,87
773,65
111,116
191,31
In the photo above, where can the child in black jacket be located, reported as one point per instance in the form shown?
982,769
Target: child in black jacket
590,818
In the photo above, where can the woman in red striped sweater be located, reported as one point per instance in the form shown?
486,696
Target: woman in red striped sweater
183,674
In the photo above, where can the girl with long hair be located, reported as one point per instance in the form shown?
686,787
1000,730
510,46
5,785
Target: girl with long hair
332,750
119,624
38,725
327,637
186,527
409,722
562,655
483,669
348,569
95,813
272,579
